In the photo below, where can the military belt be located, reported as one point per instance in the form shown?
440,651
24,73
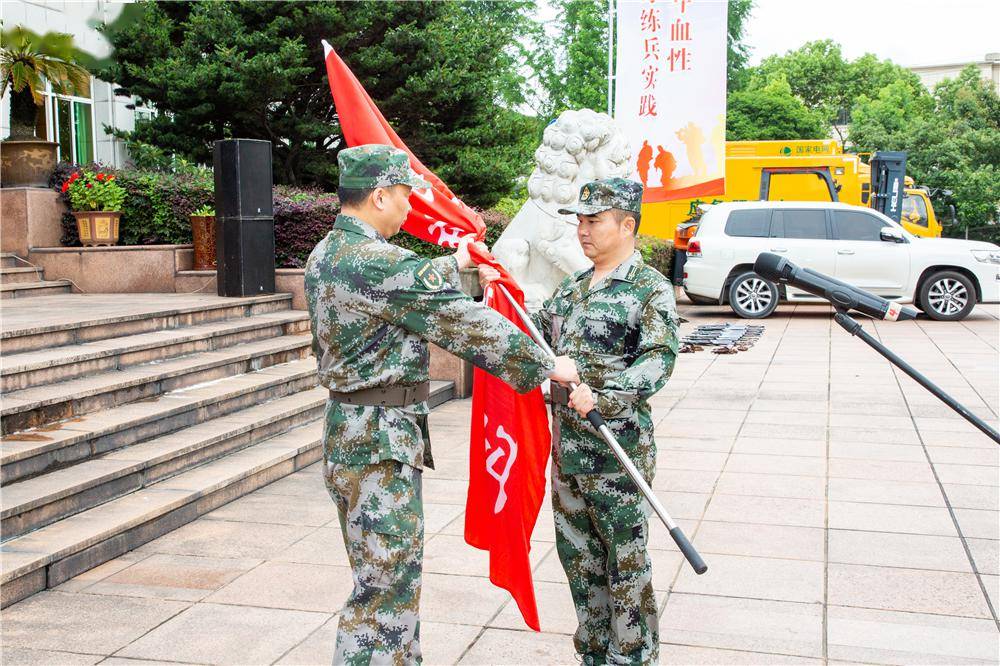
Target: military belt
388,396
558,394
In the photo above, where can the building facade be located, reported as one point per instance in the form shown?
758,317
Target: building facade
80,125
931,75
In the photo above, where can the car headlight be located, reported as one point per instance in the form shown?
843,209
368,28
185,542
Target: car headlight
987,256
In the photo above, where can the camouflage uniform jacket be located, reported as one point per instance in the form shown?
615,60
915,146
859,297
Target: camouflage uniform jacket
623,336
374,306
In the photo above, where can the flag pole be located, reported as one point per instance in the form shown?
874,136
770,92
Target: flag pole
595,418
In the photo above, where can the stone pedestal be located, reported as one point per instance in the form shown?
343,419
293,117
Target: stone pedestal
31,217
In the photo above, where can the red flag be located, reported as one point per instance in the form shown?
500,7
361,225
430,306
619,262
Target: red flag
510,449
438,215
510,434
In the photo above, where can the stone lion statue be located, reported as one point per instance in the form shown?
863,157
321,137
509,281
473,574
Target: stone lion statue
539,246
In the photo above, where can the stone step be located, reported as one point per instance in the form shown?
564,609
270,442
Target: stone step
31,452
28,369
20,275
39,405
55,553
42,500
9,260
66,320
42,288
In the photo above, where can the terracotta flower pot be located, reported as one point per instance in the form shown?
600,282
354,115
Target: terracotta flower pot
97,227
203,235
26,162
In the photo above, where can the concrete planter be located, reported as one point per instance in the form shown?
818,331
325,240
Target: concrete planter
97,227
203,235
27,162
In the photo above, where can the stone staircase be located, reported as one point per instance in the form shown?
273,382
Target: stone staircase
19,279
120,427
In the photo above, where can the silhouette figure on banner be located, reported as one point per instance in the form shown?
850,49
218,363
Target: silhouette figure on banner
666,163
692,137
642,165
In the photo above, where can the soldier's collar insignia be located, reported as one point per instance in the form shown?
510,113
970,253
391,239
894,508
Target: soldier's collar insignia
429,276
633,273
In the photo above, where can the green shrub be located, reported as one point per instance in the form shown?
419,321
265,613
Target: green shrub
157,206
657,252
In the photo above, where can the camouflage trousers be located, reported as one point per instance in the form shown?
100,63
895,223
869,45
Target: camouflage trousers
382,519
602,528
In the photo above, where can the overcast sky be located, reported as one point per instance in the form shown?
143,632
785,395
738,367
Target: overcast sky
908,32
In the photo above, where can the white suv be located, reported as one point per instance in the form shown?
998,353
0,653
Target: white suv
942,276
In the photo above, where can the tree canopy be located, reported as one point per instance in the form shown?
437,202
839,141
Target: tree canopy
255,70
952,140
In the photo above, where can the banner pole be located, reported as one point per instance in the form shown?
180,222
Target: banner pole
596,420
611,55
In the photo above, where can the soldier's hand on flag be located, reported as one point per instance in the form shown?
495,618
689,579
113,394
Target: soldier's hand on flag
565,371
582,400
462,256
487,274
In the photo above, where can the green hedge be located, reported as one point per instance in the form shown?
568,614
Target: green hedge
158,205
658,253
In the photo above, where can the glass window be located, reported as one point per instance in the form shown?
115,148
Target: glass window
858,226
915,210
83,127
64,128
748,223
790,223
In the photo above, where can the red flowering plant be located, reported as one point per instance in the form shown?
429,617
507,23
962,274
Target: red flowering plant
93,190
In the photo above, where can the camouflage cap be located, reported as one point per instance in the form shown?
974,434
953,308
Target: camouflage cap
601,195
374,165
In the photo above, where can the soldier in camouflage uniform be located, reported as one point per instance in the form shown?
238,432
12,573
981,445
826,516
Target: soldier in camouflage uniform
618,321
373,307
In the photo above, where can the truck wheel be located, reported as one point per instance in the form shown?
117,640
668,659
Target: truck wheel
947,296
752,297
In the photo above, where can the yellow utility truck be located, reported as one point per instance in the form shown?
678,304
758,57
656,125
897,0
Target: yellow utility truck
795,171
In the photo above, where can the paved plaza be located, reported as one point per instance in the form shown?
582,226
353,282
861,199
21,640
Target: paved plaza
846,516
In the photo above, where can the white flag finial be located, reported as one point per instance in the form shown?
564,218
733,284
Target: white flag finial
326,48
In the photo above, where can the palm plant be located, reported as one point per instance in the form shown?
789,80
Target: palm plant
27,59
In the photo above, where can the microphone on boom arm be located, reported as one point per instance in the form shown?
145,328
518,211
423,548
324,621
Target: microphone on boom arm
842,295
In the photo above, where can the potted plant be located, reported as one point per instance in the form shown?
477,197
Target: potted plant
27,60
203,236
95,200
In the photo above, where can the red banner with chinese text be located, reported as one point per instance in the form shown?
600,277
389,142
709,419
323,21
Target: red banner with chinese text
670,95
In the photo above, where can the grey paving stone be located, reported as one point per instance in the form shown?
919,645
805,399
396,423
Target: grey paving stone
914,551
784,541
887,637
178,577
756,578
503,646
95,625
15,656
910,590
289,585
743,624
220,634
687,654
220,538
891,518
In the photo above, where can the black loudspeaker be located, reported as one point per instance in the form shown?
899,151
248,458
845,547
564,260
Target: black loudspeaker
244,218
243,178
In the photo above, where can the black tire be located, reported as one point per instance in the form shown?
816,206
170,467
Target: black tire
701,300
752,297
947,296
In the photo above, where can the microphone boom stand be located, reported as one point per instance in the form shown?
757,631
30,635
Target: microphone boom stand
854,328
